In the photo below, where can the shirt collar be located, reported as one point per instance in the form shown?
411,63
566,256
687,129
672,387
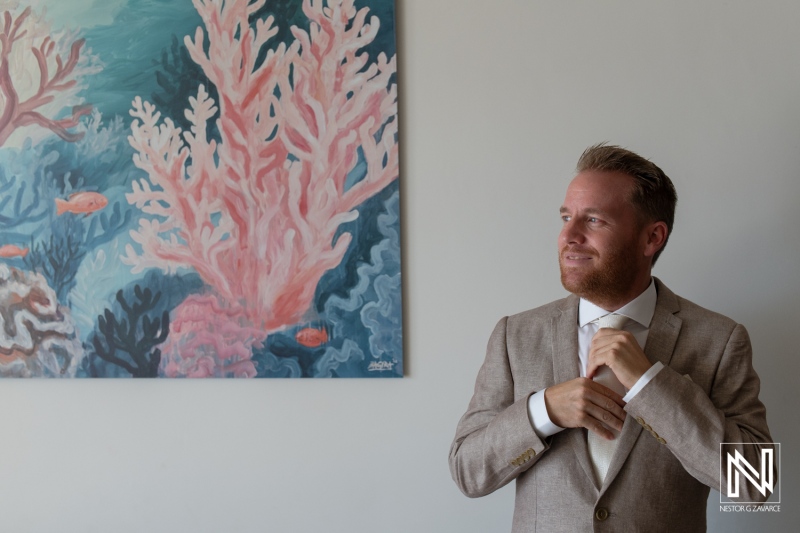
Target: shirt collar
640,309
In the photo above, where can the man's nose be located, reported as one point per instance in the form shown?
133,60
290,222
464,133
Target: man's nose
572,233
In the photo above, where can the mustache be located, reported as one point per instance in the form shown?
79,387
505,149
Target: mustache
577,250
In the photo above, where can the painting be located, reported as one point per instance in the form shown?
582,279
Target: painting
199,188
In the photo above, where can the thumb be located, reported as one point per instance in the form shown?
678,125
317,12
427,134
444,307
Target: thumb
591,369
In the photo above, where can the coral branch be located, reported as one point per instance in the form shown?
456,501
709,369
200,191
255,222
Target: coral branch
127,335
59,257
26,208
25,39
257,213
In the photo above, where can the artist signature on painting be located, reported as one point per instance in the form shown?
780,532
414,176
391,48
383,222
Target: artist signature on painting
381,366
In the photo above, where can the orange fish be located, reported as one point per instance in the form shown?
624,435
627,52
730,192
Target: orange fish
312,337
12,250
81,202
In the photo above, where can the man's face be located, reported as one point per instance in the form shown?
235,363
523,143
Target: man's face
602,241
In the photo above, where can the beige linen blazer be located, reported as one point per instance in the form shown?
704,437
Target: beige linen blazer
668,453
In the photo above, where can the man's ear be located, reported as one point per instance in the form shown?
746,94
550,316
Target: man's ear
656,236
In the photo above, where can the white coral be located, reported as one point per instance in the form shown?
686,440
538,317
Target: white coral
37,336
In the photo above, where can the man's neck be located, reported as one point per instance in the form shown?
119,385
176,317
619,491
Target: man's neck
640,309
613,303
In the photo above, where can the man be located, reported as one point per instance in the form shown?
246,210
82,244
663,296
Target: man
612,428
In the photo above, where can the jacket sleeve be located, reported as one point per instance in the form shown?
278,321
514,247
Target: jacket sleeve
494,441
694,423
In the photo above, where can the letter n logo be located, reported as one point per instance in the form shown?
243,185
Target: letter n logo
741,466
760,475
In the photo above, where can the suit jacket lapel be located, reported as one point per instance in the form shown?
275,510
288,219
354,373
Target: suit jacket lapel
627,438
566,366
661,339
664,328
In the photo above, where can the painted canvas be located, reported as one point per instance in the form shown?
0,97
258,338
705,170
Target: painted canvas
199,188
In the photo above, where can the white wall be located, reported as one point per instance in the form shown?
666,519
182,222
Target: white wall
498,100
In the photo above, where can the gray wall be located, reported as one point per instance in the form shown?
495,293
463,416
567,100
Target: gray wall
498,99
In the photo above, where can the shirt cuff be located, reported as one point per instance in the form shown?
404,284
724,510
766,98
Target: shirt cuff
644,380
540,420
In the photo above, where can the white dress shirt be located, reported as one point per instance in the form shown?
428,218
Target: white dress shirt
640,310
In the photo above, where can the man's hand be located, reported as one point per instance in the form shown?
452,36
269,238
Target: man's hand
583,403
620,352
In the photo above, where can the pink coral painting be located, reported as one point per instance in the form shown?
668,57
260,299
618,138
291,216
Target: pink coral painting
199,188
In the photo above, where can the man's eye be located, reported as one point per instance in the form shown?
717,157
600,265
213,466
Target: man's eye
565,218
593,219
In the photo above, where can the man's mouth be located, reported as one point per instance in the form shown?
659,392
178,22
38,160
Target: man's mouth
577,257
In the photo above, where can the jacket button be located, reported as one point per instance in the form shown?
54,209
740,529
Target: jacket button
601,513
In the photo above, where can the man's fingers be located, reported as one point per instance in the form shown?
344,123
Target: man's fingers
601,422
600,429
609,420
584,403
606,335
607,407
591,369
604,348
608,393
612,417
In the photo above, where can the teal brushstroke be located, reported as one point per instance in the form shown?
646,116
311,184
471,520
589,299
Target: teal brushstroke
127,47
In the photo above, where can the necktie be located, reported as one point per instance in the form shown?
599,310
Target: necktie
600,449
